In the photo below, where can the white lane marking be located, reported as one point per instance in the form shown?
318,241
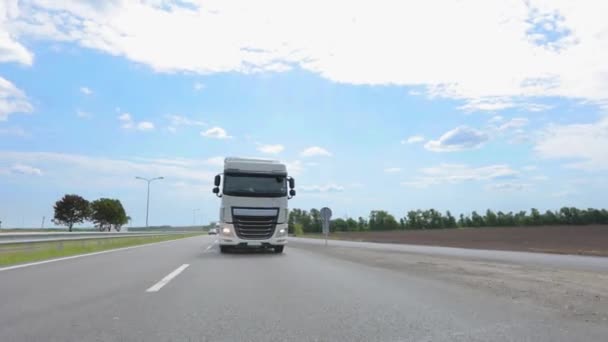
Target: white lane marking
8,268
156,287
208,248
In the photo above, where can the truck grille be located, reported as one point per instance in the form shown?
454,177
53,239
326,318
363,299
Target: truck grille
254,227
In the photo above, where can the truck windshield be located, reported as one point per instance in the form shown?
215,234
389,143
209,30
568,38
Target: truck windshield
255,185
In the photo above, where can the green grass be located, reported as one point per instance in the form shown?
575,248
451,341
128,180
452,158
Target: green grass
17,253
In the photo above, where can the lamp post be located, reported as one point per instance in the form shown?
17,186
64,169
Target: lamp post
149,180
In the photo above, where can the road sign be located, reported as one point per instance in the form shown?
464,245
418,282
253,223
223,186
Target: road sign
325,220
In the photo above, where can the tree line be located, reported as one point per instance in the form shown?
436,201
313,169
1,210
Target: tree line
302,221
105,213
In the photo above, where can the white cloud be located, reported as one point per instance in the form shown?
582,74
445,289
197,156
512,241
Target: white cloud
413,139
198,86
86,91
294,168
315,151
458,173
495,119
321,188
26,170
215,161
126,119
216,133
507,187
514,123
83,115
459,139
530,168
489,104
497,49
145,126
12,100
392,170
176,121
68,169
585,145
498,104
127,122
10,49
271,149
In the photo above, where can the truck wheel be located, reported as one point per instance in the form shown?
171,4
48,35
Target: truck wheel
224,249
278,249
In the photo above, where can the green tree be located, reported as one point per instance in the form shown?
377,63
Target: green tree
298,230
477,220
306,222
339,225
315,217
461,222
449,221
382,220
351,225
108,213
549,218
71,209
491,219
535,217
362,224
291,220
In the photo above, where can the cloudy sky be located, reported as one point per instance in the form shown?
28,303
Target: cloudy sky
459,105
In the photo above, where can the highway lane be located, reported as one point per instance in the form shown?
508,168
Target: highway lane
303,295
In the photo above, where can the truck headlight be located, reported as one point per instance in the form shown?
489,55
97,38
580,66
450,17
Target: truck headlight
282,232
226,231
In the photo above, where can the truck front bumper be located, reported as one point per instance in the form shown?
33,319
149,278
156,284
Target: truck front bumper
229,238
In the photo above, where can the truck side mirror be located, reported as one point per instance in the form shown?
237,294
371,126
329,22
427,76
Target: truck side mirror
216,190
292,183
217,180
292,192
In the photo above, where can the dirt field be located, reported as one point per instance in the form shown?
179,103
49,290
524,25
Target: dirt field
586,240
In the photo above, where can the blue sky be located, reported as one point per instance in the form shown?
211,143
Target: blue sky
511,118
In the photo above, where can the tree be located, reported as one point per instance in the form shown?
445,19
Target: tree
339,225
477,220
298,230
449,221
535,217
315,216
491,219
108,213
351,225
362,224
382,220
71,209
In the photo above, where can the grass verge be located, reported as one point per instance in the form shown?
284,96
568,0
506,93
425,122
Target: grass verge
17,253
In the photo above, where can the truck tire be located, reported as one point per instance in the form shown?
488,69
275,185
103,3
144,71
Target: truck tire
278,249
224,249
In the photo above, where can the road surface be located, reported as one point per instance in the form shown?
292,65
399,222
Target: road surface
185,290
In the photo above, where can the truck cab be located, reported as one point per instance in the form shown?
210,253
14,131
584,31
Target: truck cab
253,210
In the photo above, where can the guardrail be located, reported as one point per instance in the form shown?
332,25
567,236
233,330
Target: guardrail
13,238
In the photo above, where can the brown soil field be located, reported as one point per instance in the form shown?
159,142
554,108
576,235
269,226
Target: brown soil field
585,240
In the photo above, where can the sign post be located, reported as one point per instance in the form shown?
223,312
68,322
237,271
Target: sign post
325,220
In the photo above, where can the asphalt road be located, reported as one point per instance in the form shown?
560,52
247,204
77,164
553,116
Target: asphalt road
185,290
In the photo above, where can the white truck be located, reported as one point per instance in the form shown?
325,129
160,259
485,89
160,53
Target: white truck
253,212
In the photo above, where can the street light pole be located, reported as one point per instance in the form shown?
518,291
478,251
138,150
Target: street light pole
149,180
